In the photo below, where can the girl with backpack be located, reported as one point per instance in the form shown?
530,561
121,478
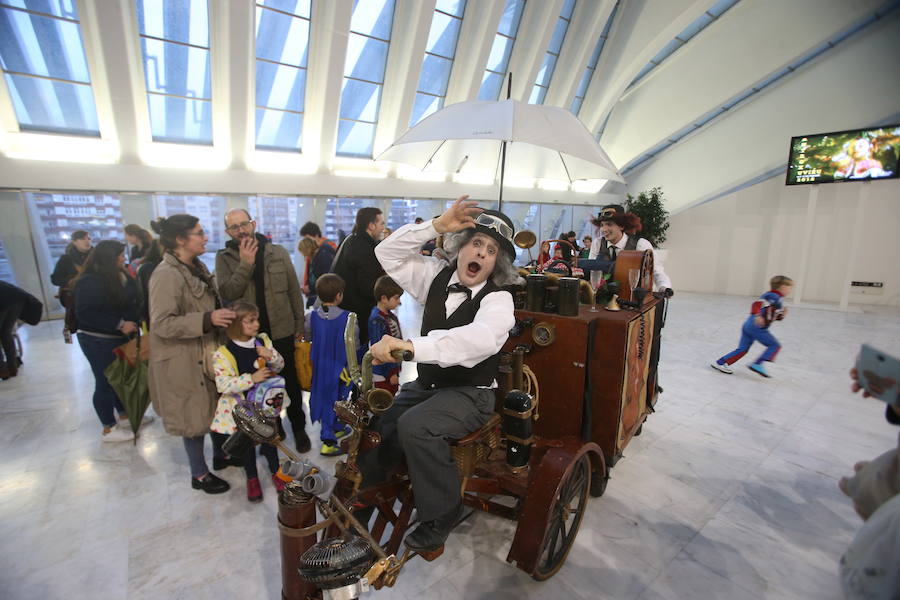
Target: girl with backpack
245,361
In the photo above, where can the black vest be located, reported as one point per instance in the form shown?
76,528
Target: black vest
631,244
435,317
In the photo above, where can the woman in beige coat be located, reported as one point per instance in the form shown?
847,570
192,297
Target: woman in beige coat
183,336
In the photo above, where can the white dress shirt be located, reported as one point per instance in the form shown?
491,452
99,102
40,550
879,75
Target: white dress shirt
467,345
661,281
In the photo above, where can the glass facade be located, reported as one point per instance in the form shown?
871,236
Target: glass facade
501,50
438,62
175,48
211,212
44,63
367,52
545,74
282,52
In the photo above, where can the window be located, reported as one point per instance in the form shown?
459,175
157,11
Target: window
43,61
340,216
367,51
175,47
282,50
280,218
439,54
56,215
211,212
545,74
6,272
501,50
592,64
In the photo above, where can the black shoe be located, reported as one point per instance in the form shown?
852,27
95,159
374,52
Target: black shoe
229,461
210,484
431,535
304,444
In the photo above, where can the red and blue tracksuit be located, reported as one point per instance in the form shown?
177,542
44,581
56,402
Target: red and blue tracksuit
768,307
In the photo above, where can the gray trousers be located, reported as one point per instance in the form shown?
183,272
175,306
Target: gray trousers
419,425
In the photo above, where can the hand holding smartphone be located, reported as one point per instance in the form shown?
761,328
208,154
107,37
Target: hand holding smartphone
878,374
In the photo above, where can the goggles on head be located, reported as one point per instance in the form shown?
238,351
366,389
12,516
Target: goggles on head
608,212
495,223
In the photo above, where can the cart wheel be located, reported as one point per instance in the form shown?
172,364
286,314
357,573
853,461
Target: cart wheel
565,519
598,484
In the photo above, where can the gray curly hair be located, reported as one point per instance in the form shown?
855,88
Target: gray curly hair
505,273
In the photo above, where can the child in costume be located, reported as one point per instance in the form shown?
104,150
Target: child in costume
756,328
329,361
246,360
384,322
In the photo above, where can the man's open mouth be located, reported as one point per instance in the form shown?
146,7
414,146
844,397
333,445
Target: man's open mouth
473,268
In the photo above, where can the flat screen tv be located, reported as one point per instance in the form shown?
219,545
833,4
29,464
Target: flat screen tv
854,155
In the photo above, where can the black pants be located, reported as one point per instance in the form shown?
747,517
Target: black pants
8,316
285,347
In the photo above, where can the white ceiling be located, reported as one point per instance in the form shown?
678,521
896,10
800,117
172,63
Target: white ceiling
853,84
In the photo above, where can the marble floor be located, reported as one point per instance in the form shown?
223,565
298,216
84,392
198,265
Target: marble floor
731,491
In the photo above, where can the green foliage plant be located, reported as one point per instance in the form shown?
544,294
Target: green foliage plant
650,207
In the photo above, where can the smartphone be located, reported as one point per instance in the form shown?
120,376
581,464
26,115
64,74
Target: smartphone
879,374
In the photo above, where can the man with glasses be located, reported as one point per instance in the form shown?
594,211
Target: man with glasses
253,269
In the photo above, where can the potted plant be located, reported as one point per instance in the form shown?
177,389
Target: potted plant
650,207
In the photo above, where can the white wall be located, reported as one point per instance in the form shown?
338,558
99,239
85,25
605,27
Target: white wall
831,93
734,244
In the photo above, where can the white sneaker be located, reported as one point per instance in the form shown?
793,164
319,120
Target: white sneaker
723,368
118,434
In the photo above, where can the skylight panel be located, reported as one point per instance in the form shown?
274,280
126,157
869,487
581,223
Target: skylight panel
588,74
498,60
282,52
438,62
698,25
542,83
175,47
367,51
43,60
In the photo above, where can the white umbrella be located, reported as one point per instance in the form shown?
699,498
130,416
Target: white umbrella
522,140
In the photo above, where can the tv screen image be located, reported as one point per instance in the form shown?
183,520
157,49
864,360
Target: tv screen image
854,155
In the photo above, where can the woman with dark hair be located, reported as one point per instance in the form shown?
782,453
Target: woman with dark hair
152,258
70,263
139,240
106,305
184,316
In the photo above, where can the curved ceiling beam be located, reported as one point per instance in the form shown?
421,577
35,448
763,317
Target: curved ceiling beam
587,24
721,62
641,30
480,22
409,36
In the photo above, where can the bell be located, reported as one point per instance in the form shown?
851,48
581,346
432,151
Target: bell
613,304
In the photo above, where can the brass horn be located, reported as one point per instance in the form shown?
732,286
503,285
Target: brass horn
525,239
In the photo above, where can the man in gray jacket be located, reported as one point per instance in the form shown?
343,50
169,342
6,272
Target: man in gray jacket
253,269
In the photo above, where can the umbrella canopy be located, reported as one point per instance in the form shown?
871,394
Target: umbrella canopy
467,138
127,375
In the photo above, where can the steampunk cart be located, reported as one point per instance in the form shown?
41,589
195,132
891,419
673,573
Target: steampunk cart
536,461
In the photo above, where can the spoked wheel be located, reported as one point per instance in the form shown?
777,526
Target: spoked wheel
565,519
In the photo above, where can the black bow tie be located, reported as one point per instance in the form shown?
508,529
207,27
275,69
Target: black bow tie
461,289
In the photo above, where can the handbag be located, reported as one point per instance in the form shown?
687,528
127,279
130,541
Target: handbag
303,363
135,350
